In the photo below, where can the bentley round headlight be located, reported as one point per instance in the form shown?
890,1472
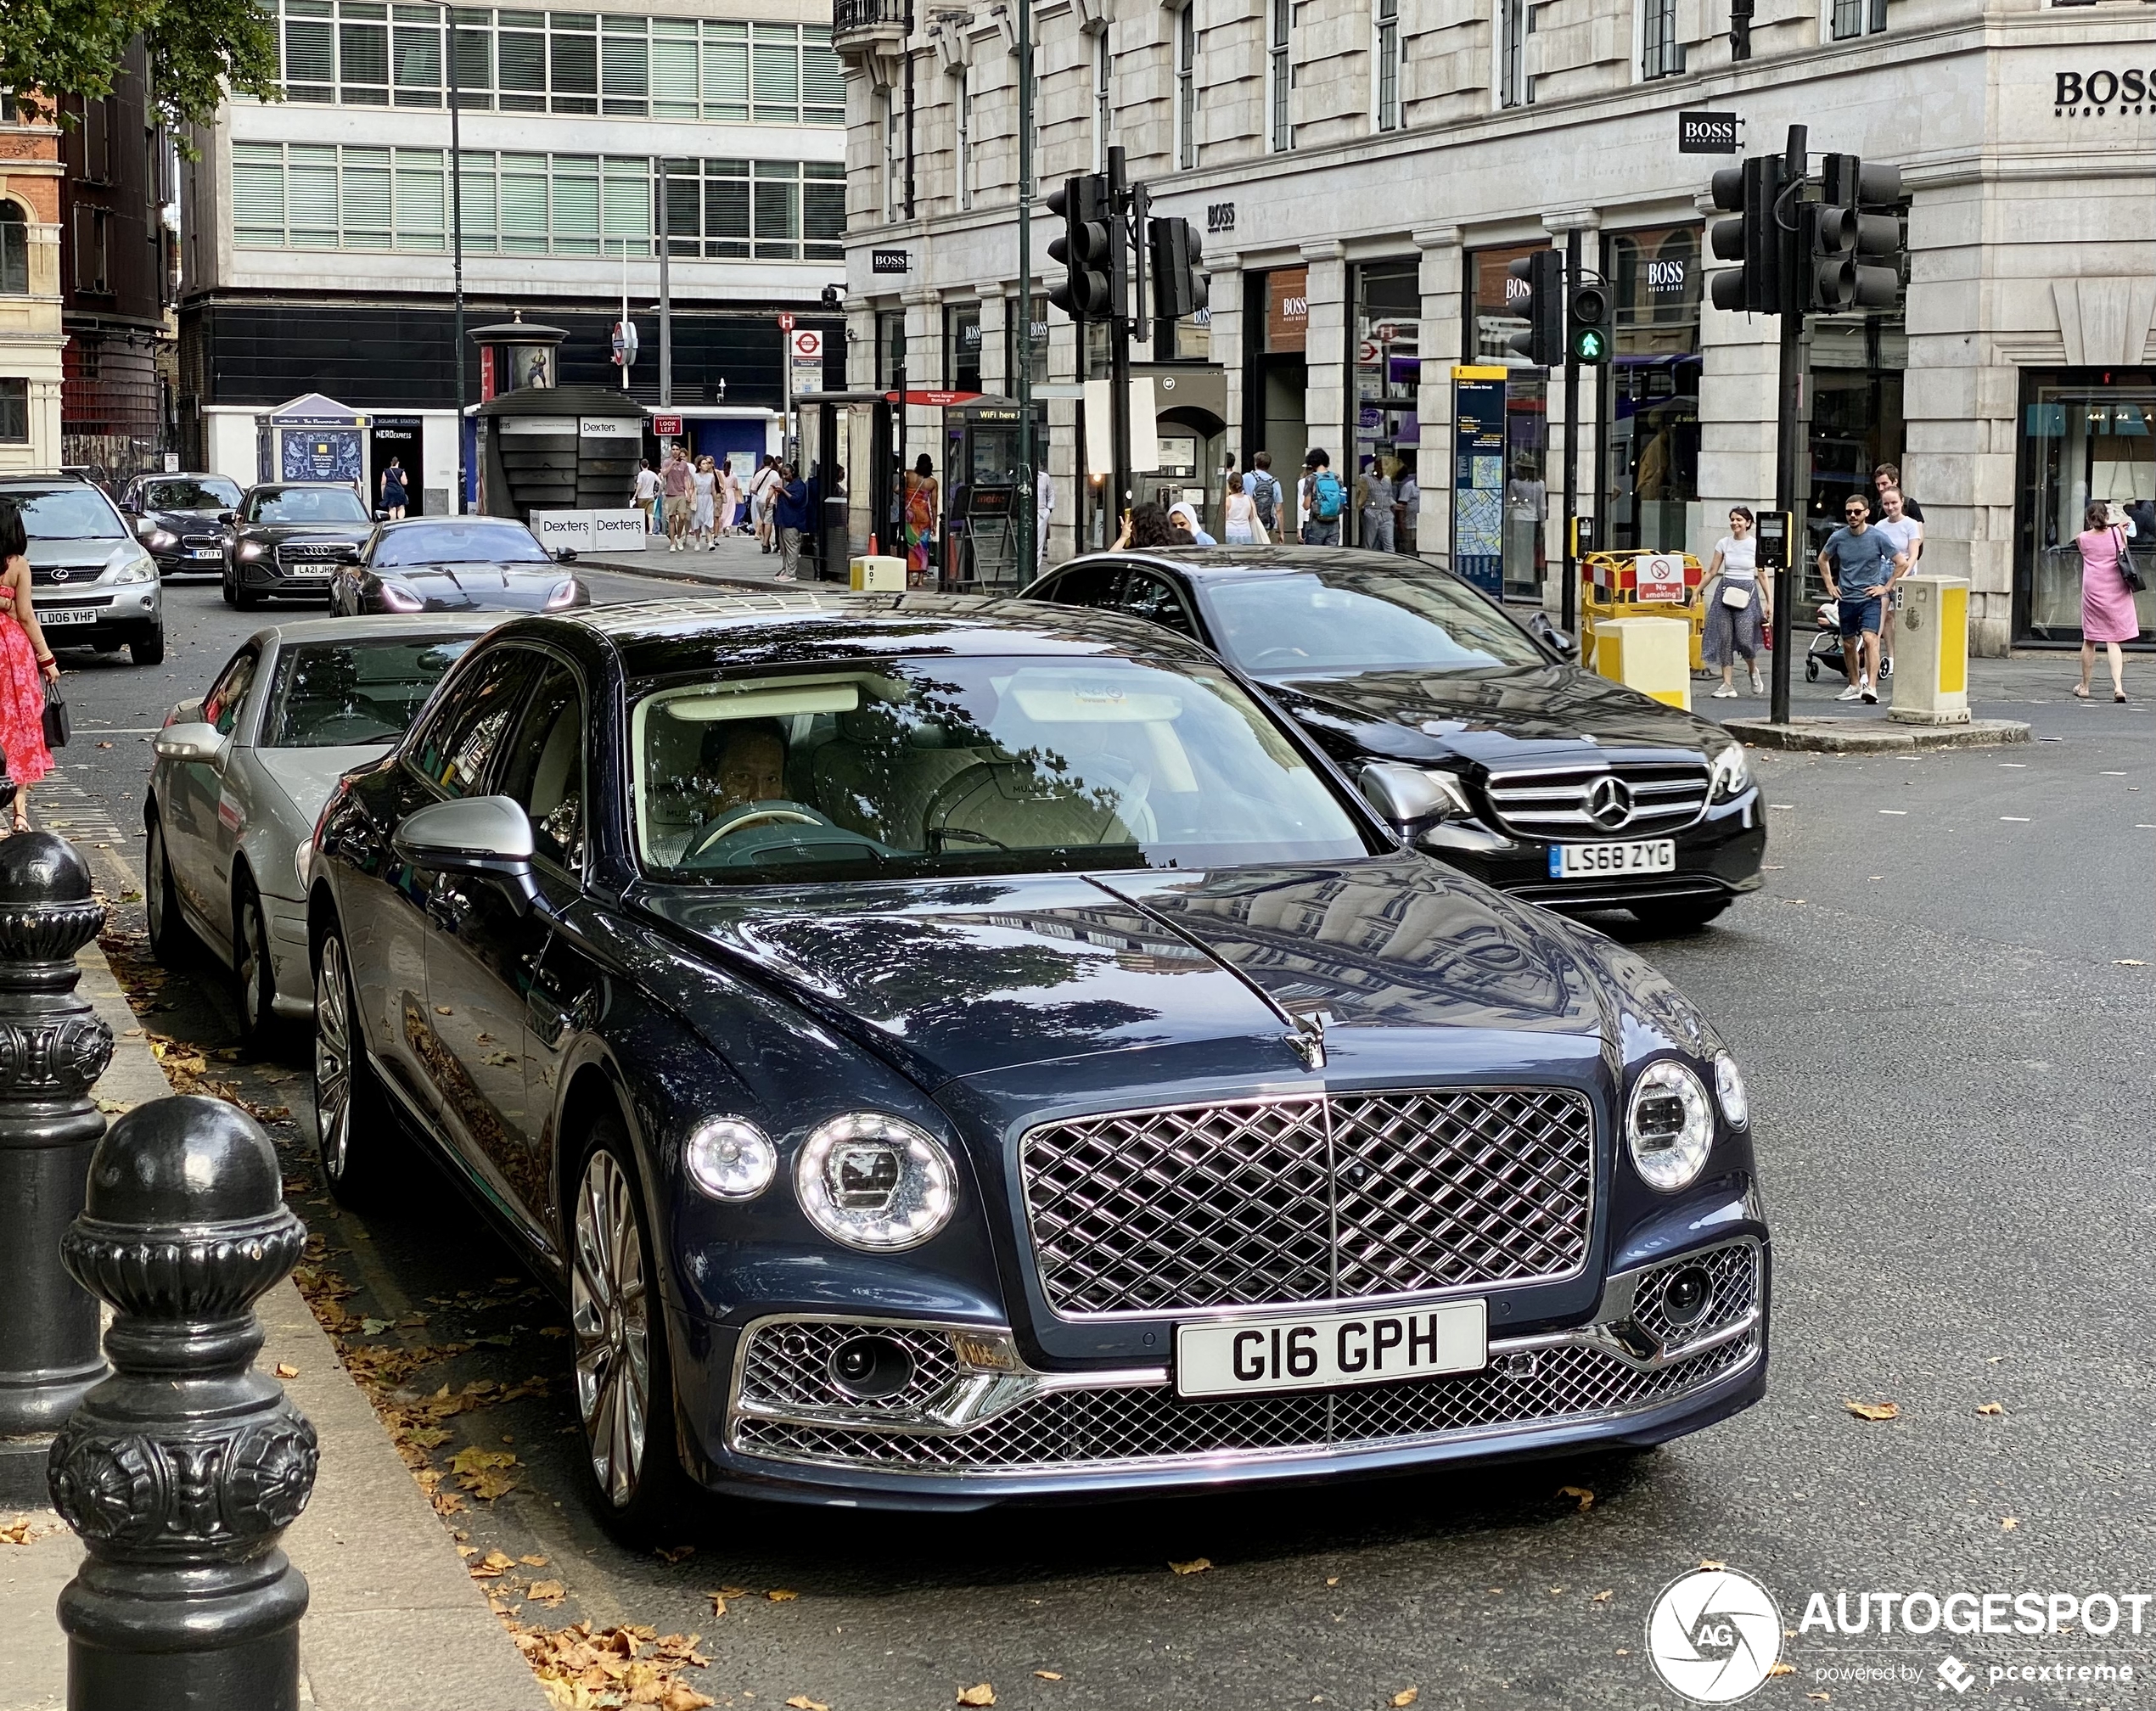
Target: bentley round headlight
872,1180
1670,1126
1729,1088
730,1160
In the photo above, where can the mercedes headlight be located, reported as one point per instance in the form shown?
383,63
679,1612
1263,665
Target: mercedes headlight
1732,773
875,1181
249,550
1729,1088
1669,1125
731,1160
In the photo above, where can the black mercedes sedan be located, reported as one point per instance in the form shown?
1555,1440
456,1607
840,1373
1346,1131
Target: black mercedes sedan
288,537
455,565
180,520
1560,786
947,1050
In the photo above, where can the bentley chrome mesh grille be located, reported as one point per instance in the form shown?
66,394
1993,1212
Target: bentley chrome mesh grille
1313,1199
1148,1423
1733,1271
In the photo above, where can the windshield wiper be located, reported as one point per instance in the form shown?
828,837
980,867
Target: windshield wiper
939,834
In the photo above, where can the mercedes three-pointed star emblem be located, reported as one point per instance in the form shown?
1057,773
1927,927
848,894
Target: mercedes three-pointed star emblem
1609,803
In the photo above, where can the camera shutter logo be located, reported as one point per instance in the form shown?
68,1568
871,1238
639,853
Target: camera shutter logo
1715,1635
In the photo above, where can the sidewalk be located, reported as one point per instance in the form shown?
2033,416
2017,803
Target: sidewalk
394,1621
735,561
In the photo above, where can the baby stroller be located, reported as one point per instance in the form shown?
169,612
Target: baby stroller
1826,649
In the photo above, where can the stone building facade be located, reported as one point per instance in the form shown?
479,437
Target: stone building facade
1362,169
30,336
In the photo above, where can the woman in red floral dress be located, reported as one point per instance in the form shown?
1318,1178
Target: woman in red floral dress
24,657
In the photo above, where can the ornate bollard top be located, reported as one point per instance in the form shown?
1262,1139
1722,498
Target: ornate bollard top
48,910
183,1163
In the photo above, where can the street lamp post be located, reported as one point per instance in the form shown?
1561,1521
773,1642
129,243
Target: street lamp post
456,248
1031,550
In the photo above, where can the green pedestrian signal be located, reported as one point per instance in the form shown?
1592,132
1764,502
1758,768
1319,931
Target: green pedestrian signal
1590,346
1587,324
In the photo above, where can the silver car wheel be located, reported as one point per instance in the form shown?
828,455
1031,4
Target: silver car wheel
254,969
333,1058
157,903
609,1315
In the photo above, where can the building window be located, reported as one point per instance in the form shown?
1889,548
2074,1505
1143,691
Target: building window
15,413
9,112
1389,65
890,348
1103,75
92,248
1849,18
894,159
1652,388
962,347
2085,436
1187,86
14,251
1279,134
1515,23
1660,53
962,146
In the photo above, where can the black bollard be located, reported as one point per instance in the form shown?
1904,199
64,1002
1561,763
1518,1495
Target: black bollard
181,1471
53,1047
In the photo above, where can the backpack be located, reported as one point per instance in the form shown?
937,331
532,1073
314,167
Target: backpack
1266,492
1327,497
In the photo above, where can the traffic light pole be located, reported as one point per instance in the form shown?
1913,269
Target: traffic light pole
1031,552
1569,611
1790,450
1119,358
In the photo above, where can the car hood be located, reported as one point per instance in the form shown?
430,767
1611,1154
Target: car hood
307,776
185,520
1494,720
480,587
350,533
95,555
1208,973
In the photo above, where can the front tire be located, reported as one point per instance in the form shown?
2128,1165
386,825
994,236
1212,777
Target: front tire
623,1374
149,650
244,597
253,968
1679,914
355,1130
170,941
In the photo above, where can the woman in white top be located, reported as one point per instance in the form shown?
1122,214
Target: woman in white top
1240,522
704,487
1738,609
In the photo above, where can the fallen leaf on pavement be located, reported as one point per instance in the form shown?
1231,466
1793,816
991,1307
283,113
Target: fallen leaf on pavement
1710,1562
979,1694
17,1533
1873,1411
1408,1696
801,1701
780,1596
1587,1498
1196,1565
1781,1666
1332,1579
675,1553
495,1562
533,1562
2128,962
284,1369
1049,1674
2008,1523
547,1591
718,1602
1990,1408
1603,1597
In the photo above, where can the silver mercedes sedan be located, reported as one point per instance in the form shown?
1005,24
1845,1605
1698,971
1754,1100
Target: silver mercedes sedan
240,778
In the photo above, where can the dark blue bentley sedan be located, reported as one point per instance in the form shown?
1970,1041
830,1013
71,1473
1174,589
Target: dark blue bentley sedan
952,1050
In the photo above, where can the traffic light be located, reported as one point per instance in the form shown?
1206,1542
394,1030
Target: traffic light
1586,323
1855,257
1543,342
1754,238
1087,249
1177,255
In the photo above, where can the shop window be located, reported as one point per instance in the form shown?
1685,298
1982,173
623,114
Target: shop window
1651,390
2087,438
1660,53
890,348
1387,369
1495,295
14,251
962,347
15,413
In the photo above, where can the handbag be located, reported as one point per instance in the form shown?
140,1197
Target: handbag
57,724
2135,583
1737,595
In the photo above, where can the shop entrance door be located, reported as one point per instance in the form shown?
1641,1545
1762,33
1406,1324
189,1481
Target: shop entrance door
397,437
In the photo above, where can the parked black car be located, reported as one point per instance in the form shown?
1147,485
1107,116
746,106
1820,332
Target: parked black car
180,520
455,565
288,537
1563,788
946,1051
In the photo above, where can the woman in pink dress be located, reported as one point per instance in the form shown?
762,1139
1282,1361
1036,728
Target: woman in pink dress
24,657
2108,613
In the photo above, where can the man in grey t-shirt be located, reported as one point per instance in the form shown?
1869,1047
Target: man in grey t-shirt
1858,563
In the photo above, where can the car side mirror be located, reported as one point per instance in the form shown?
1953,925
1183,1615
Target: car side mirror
1406,795
565,555
228,517
489,837
190,740
1540,627
381,515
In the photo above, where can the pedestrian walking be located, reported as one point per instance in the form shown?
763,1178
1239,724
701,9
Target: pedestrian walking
1321,499
394,497
763,487
1885,476
1738,606
1410,493
1906,534
920,521
1044,511
1240,523
729,499
646,492
1264,488
24,658
1183,512
1857,564
676,485
703,509
789,517
2107,611
1375,499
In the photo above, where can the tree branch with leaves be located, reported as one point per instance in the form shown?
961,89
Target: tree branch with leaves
198,49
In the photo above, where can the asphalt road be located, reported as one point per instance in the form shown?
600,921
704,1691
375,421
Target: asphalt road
1942,1003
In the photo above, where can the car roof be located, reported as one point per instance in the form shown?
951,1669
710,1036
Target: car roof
266,486
381,627
809,626
1203,563
48,477
394,525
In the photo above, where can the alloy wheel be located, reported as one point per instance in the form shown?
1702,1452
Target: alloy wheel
609,1315
254,969
333,1059
157,903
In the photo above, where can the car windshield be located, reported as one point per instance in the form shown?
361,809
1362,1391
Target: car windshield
971,766
1337,622
338,695
306,505
189,494
476,542
64,513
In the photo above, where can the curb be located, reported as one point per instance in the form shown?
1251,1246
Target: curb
1867,737
379,1563
633,565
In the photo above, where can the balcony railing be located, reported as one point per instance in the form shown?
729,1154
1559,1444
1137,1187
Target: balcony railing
851,16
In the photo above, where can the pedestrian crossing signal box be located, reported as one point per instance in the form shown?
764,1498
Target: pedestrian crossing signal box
1774,531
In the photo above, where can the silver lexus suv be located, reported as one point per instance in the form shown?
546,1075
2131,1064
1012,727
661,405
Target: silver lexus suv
94,583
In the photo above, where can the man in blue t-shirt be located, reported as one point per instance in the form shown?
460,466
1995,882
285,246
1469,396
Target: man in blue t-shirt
1858,563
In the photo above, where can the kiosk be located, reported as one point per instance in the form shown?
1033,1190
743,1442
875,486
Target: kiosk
987,498
846,440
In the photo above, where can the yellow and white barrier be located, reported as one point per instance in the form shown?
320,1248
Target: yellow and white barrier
1652,655
877,575
1931,652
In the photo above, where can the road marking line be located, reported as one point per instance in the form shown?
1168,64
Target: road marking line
1899,813
2017,766
2019,819
2110,775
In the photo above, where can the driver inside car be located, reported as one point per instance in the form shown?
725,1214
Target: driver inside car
740,787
